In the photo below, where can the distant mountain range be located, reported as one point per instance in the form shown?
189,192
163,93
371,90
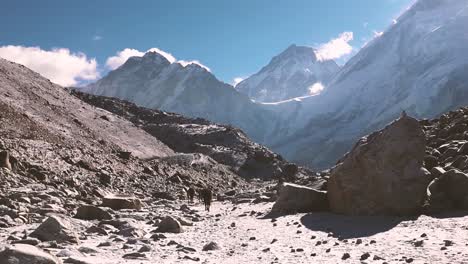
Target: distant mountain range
419,64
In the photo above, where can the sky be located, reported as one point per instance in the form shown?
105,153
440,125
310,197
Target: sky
77,42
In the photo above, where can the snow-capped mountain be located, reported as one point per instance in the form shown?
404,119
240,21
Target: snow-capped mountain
293,73
189,89
420,65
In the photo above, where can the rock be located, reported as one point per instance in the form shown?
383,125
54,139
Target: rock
132,231
184,221
27,254
5,160
89,212
55,228
145,248
261,199
230,193
29,241
169,225
87,250
383,174
365,256
455,186
105,178
295,198
119,202
134,255
345,256
211,246
430,162
163,195
436,172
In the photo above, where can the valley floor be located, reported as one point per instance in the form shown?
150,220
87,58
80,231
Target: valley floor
245,235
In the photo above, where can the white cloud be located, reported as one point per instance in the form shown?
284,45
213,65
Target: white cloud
237,80
59,65
316,88
336,48
97,37
185,63
122,56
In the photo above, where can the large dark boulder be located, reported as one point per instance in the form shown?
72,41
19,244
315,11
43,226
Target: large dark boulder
90,212
57,229
295,198
383,173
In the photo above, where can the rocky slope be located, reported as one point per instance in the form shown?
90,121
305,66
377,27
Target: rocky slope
47,223
225,144
417,65
152,81
293,73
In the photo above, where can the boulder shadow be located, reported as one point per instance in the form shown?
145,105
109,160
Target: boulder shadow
347,227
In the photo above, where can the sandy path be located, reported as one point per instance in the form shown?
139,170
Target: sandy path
301,238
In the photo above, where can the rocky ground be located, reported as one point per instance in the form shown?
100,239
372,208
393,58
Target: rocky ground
244,233
105,183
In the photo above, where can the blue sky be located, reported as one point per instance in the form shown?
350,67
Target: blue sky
233,38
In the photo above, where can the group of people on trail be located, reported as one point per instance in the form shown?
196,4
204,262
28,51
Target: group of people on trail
204,195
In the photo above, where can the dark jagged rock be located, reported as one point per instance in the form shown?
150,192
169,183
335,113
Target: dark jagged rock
56,229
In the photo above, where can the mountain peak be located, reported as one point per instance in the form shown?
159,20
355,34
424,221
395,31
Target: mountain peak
294,51
290,74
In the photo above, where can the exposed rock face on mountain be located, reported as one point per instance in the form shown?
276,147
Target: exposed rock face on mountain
225,144
152,81
419,65
293,73
383,173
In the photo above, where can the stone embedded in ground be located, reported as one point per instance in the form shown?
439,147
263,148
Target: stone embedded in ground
5,160
119,202
383,173
211,246
26,254
134,255
90,212
169,225
57,229
295,198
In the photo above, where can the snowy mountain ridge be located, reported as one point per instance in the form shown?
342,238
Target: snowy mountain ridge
294,73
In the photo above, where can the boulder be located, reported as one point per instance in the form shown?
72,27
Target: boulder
211,246
295,198
89,212
450,190
169,225
119,202
383,173
5,160
55,229
22,253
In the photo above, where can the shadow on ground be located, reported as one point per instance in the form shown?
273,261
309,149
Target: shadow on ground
347,227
